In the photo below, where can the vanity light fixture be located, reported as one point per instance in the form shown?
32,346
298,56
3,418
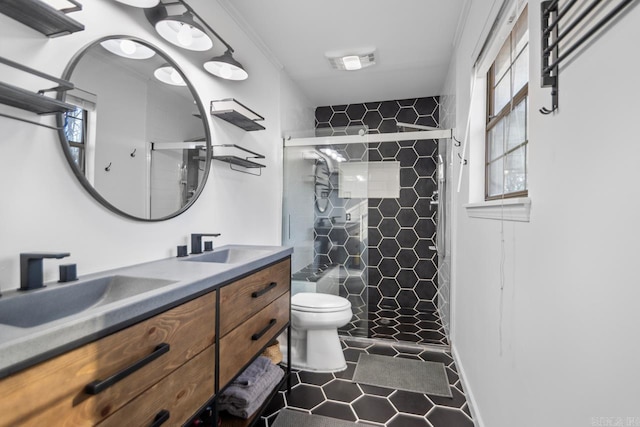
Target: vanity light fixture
226,67
140,3
127,48
169,75
184,31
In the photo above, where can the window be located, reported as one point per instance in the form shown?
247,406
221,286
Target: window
507,109
75,129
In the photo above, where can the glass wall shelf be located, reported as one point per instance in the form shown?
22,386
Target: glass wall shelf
237,114
42,17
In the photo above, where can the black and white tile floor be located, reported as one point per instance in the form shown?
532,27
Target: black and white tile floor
336,396
399,324
407,324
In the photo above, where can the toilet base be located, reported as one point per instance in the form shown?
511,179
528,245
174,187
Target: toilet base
319,351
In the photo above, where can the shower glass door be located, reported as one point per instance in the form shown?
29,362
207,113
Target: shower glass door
325,220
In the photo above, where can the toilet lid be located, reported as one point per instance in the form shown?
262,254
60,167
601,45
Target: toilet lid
318,303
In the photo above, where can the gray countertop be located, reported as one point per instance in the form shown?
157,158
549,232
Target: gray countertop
21,347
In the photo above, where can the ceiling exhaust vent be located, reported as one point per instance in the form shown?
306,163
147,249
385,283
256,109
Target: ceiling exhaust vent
351,62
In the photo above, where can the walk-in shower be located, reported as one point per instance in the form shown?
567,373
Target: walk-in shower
361,209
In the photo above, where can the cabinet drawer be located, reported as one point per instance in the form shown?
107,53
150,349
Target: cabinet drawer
53,392
243,298
180,394
239,346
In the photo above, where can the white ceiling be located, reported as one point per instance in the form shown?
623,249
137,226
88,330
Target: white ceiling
413,38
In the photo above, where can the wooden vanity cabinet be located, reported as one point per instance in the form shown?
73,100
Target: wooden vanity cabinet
66,389
252,312
177,397
243,298
160,371
243,343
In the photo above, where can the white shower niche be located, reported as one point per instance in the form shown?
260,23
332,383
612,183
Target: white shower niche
361,180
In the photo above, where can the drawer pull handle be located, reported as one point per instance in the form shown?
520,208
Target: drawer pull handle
161,418
258,335
99,386
261,292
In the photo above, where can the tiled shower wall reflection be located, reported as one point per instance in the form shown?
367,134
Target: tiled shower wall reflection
340,236
402,266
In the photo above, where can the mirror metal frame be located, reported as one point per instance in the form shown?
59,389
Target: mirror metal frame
67,74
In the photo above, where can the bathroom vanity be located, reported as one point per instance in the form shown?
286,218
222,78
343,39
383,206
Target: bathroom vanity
158,357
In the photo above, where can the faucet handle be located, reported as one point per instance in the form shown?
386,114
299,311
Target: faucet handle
68,273
196,241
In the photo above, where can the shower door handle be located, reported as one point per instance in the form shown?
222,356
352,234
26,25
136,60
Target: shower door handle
435,200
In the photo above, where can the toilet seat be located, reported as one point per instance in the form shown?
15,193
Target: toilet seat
318,303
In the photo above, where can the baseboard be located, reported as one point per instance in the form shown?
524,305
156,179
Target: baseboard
471,401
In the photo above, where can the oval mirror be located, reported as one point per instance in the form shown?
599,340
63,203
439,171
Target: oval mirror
137,139
322,184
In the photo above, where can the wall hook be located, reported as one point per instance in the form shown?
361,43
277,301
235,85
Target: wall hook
108,168
462,161
546,111
457,143
133,153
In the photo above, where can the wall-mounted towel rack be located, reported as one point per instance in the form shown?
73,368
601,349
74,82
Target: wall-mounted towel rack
9,116
244,162
34,102
552,16
42,17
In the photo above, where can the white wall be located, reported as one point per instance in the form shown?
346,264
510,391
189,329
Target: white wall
563,345
299,205
298,201
121,127
44,208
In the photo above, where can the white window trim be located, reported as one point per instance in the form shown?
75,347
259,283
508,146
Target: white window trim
514,209
508,209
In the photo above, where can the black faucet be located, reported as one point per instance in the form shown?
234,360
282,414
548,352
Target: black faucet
31,268
196,241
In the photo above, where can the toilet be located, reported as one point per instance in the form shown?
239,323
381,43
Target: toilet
315,319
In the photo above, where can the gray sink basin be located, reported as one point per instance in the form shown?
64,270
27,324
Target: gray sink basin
34,308
229,256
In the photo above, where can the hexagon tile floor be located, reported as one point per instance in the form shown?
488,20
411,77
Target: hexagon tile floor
336,396
400,324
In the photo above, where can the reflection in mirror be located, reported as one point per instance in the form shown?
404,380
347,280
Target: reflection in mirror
322,185
137,143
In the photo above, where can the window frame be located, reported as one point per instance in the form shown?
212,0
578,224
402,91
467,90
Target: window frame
80,145
492,120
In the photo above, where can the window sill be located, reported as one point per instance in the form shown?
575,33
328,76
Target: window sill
518,209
